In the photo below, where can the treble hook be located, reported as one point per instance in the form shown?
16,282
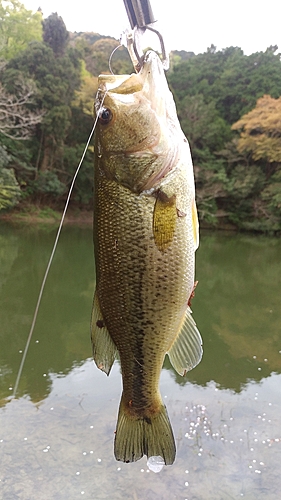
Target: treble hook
141,18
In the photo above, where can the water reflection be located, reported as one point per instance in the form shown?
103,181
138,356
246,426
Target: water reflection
226,414
61,336
237,308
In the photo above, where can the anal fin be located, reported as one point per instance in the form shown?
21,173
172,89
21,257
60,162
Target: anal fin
186,351
104,349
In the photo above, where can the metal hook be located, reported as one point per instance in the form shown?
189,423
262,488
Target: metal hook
141,18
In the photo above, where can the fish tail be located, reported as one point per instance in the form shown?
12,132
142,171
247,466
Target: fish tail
142,435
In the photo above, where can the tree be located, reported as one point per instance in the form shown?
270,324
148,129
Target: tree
97,49
260,130
17,120
84,97
202,124
206,132
9,188
18,27
57,78
228,77
245,79
55,34
260,141
240,178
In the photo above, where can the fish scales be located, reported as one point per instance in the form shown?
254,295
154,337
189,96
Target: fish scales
144,251
138,282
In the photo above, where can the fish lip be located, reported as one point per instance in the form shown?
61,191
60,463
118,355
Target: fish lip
150,80
151,61
153,79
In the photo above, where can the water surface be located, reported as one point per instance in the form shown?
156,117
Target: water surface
56,438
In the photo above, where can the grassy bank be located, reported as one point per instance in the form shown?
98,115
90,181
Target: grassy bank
32,214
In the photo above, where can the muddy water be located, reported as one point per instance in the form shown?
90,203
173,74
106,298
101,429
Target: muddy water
56,438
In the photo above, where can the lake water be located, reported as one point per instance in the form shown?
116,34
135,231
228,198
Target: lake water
56,438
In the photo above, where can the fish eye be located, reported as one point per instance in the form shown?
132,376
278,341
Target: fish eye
105,116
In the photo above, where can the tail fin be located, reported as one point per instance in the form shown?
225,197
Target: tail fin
139,435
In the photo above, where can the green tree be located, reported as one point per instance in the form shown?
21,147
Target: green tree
245,79
55,34
231,79
57,78
9,188
97,49
207,132
85,95
41,167
271,199
235,179
202,124
18,27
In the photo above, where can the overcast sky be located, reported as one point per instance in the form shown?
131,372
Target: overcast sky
185,24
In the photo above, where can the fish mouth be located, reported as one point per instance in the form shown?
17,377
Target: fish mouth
151,81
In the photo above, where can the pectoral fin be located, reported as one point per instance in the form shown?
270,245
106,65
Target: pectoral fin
186,351
104,349
164,220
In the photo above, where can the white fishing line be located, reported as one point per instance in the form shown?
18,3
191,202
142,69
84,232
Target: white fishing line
110,58
53,251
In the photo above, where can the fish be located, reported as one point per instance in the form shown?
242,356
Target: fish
146,232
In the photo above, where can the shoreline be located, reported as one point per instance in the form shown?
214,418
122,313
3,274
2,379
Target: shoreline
47,215
31,214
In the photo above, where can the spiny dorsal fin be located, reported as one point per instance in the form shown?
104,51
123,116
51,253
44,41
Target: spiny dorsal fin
104,349
164,220
186,351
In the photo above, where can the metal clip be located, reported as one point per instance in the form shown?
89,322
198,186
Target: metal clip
139,13
141,18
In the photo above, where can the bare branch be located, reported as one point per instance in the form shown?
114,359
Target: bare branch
17,120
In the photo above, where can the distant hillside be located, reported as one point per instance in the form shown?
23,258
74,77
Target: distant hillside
96,50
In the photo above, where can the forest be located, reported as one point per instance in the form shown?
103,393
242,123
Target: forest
228,103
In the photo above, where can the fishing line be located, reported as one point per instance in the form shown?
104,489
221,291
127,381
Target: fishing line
53,250
110,58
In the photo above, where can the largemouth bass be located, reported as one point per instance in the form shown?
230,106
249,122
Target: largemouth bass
145,236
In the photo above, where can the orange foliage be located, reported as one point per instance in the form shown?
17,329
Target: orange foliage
261,130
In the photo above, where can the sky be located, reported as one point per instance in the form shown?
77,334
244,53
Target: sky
185,25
